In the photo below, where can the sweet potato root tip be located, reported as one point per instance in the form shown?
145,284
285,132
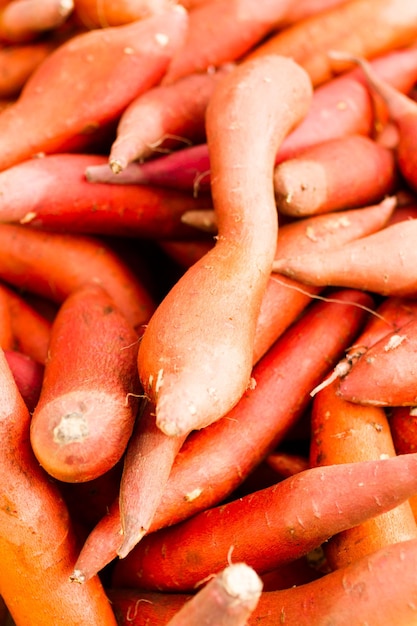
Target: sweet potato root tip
148,461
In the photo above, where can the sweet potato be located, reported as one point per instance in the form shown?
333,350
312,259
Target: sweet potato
205,470
163,118
217,300
341,173
80,207
344,27
38,543
384,375
89,398
314,232
344,432
148,461
363,263
284,298
380,589
389,317
271,526
187,169
140,51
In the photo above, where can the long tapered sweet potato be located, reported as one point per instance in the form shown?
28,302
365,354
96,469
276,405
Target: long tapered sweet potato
205,470
163,118
217,300
271,526
380,589
150,455
88,404
363,263
38,543
318,231
51,116
344,27
285,298
80,207
187,168
55,264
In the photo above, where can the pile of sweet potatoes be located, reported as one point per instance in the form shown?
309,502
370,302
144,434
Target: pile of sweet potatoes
208,296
